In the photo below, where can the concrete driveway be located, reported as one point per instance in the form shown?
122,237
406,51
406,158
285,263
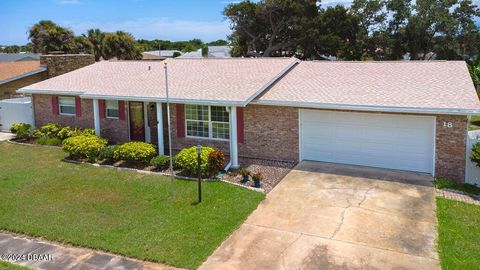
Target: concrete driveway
330,216
4,136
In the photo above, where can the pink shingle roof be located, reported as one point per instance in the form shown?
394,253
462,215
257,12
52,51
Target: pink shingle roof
444,85
214,80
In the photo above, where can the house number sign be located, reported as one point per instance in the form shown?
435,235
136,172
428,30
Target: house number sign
448,124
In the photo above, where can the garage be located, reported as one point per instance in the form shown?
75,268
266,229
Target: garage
393,141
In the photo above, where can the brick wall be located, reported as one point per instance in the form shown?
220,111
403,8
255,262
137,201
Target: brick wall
450,147
113,129
63,63
7,90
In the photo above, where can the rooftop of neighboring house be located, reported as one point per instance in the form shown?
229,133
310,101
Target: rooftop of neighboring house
219,51
16,57
162,53
10,71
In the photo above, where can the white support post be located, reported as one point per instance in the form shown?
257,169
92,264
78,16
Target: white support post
233,138
96,117
161,148
148,136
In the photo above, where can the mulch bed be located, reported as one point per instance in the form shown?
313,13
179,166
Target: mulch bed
272,171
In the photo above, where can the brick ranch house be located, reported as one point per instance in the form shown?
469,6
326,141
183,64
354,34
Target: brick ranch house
399,115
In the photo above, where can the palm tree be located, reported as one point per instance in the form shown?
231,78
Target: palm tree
96,39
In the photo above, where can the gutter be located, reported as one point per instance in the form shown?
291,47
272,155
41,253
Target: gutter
328,106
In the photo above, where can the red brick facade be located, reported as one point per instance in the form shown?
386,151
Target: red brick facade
270,132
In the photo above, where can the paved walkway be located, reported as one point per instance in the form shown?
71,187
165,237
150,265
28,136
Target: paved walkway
330,216
4,136
457,196
55,256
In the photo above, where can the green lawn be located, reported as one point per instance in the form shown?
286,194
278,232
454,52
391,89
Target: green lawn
474,122
442,183
459,234
10,266
122,212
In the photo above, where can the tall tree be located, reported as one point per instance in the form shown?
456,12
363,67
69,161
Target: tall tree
122,46
400,11
96,39
47,36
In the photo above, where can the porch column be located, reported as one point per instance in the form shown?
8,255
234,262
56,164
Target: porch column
161,149
233,138
96,117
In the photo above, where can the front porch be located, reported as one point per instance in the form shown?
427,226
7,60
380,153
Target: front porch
190,124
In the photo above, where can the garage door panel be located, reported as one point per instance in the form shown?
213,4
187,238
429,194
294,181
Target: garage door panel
378,140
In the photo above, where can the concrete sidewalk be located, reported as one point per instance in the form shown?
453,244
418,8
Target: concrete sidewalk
54,256
4,136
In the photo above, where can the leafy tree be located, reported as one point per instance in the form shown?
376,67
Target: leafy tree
95,38
219,42
122,46
12,49
47,36
400,11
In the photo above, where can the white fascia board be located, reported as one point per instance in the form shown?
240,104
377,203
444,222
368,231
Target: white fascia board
272,81
164,100
23,75
49,92
415,110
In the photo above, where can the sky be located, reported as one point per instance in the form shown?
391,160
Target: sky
145,19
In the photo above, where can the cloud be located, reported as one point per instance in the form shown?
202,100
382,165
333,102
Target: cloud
159,28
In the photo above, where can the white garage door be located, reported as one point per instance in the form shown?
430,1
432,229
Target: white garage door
402,142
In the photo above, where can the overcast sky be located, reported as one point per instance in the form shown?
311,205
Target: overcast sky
146,19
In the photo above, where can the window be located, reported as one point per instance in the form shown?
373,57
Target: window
66,105
207,122
111,109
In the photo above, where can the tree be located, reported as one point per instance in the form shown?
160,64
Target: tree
400,11
47,36
122,46
219,42
95,38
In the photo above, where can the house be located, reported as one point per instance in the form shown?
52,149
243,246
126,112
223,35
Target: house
219,51
160,54
17,57
399,115
14,75
194,54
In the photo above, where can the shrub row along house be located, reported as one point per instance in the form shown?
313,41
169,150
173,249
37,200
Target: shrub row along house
398,115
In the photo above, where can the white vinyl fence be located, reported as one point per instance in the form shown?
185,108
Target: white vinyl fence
15,110
472,174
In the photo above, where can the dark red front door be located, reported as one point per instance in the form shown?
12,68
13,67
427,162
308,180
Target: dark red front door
137,121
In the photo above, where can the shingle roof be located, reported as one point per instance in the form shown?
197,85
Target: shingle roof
419,85
232,81
10,70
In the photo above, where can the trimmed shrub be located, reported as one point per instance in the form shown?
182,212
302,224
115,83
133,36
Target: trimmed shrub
84,146
88,131
216,161
108,153
135,152
187,160
475,154
160,162
49,141
21,130
49,130
67,132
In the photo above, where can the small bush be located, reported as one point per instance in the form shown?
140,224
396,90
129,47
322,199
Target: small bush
187,160
84,146
21,130
160,162
257,177
216,161
88,131
49,141
67,132
108,153
49,130
135,152
475,154
243,171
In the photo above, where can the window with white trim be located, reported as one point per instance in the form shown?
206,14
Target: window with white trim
66,105
204,121
111,108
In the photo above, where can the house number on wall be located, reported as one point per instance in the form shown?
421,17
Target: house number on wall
448,124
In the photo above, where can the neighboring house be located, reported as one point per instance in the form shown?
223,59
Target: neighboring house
400,115
15,75
194,54
219,51
17,57
159,55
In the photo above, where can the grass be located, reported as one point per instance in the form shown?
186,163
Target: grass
123,212
442,183
474,122
458,234
10,266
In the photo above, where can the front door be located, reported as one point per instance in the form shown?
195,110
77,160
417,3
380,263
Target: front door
137,121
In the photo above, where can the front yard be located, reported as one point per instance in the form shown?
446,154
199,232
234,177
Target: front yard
458,234
122,212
